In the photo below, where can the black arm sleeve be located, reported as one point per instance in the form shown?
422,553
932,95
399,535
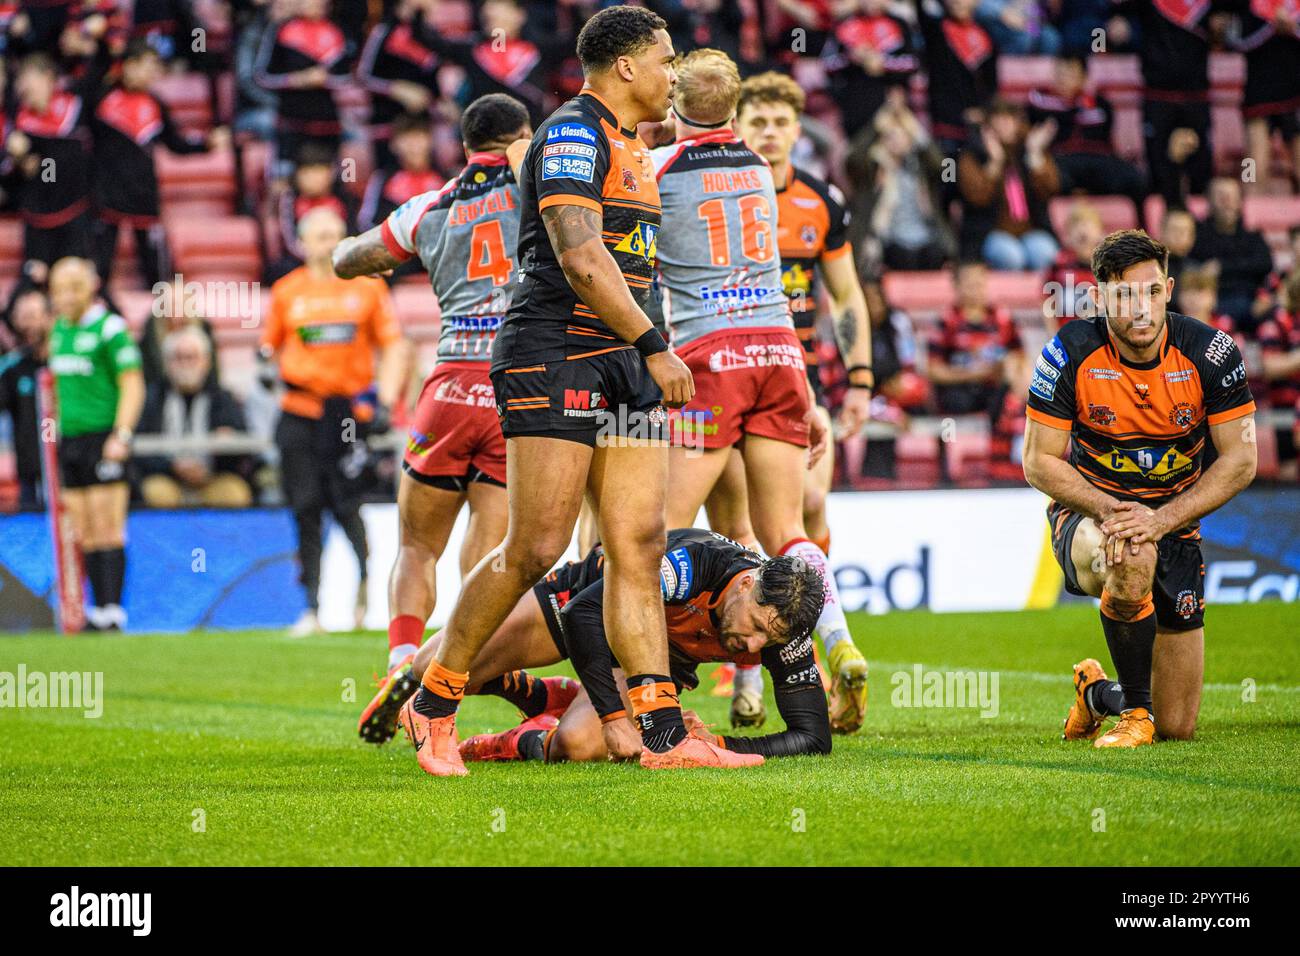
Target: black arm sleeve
801,702
583,620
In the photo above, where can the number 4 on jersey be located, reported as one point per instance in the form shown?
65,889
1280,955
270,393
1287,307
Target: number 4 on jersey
487,254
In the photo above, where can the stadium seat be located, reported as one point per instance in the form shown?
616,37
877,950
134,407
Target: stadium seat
209,176
1016,290
1271,213
135,305
11,248
1227,78
1116,211
1018,75
1227,139
225,248
919,291
1126,133
189,98
967,457
1115,75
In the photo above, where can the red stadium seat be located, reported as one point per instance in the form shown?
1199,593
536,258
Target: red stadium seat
919,291
1153,210
225,247
1116,211
189,98
1227,78
1115,73
1016,290
11,248
1271,213
967,457
1018,75
208,176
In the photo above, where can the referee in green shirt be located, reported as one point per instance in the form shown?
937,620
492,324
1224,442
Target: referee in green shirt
100,388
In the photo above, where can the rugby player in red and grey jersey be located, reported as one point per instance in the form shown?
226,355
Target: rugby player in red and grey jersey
464,235
1121,409
720,268
722,602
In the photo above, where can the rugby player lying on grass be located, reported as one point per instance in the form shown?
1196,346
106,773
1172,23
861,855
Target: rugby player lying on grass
722,603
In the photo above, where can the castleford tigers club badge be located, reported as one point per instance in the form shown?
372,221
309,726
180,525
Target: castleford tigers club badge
629,181
1182,415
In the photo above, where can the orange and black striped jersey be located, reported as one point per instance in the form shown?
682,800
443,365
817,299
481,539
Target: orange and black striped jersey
811,228
1139,431
579,157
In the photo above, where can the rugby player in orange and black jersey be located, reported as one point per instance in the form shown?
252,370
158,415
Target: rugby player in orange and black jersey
1137,393
559,366
723,602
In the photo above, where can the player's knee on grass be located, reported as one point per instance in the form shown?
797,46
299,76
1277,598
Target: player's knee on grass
577,741
1181,725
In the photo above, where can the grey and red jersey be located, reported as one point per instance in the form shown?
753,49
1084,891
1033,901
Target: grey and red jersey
718,260
465,235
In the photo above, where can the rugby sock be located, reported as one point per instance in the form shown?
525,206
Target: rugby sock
1130,629
94,563
532,744
441,693
657,710
114,574
1105,698
520,688
405,632
831,626
749,677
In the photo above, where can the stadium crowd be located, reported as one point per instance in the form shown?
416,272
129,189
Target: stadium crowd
983,148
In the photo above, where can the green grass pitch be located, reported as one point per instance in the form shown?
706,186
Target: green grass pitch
240,748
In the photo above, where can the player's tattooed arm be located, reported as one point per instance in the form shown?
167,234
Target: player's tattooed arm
363,255
576,236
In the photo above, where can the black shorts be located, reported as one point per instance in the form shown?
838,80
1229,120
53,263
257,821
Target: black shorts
555,590
610,394
1179,588
81,461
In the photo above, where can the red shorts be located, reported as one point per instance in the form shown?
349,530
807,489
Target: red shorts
747,382
455,433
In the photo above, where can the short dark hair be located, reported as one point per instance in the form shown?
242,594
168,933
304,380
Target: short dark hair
316,153
1124,249
138,47
491,119
615,32
410,123
795,590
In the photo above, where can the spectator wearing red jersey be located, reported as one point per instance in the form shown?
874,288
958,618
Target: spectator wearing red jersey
412,145
1279,341
399,71
869,53
961,61
303,60
975,354
1081,148
1071,275
1005,181
49,143
501,59
129,122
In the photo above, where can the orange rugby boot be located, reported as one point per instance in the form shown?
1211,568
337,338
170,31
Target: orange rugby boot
378,723
694,752
1135,729
1080,723
434,740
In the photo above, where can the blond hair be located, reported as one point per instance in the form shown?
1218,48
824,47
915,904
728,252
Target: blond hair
708,86
772,87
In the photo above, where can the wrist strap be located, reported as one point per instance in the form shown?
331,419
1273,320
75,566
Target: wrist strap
861,368
651,343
